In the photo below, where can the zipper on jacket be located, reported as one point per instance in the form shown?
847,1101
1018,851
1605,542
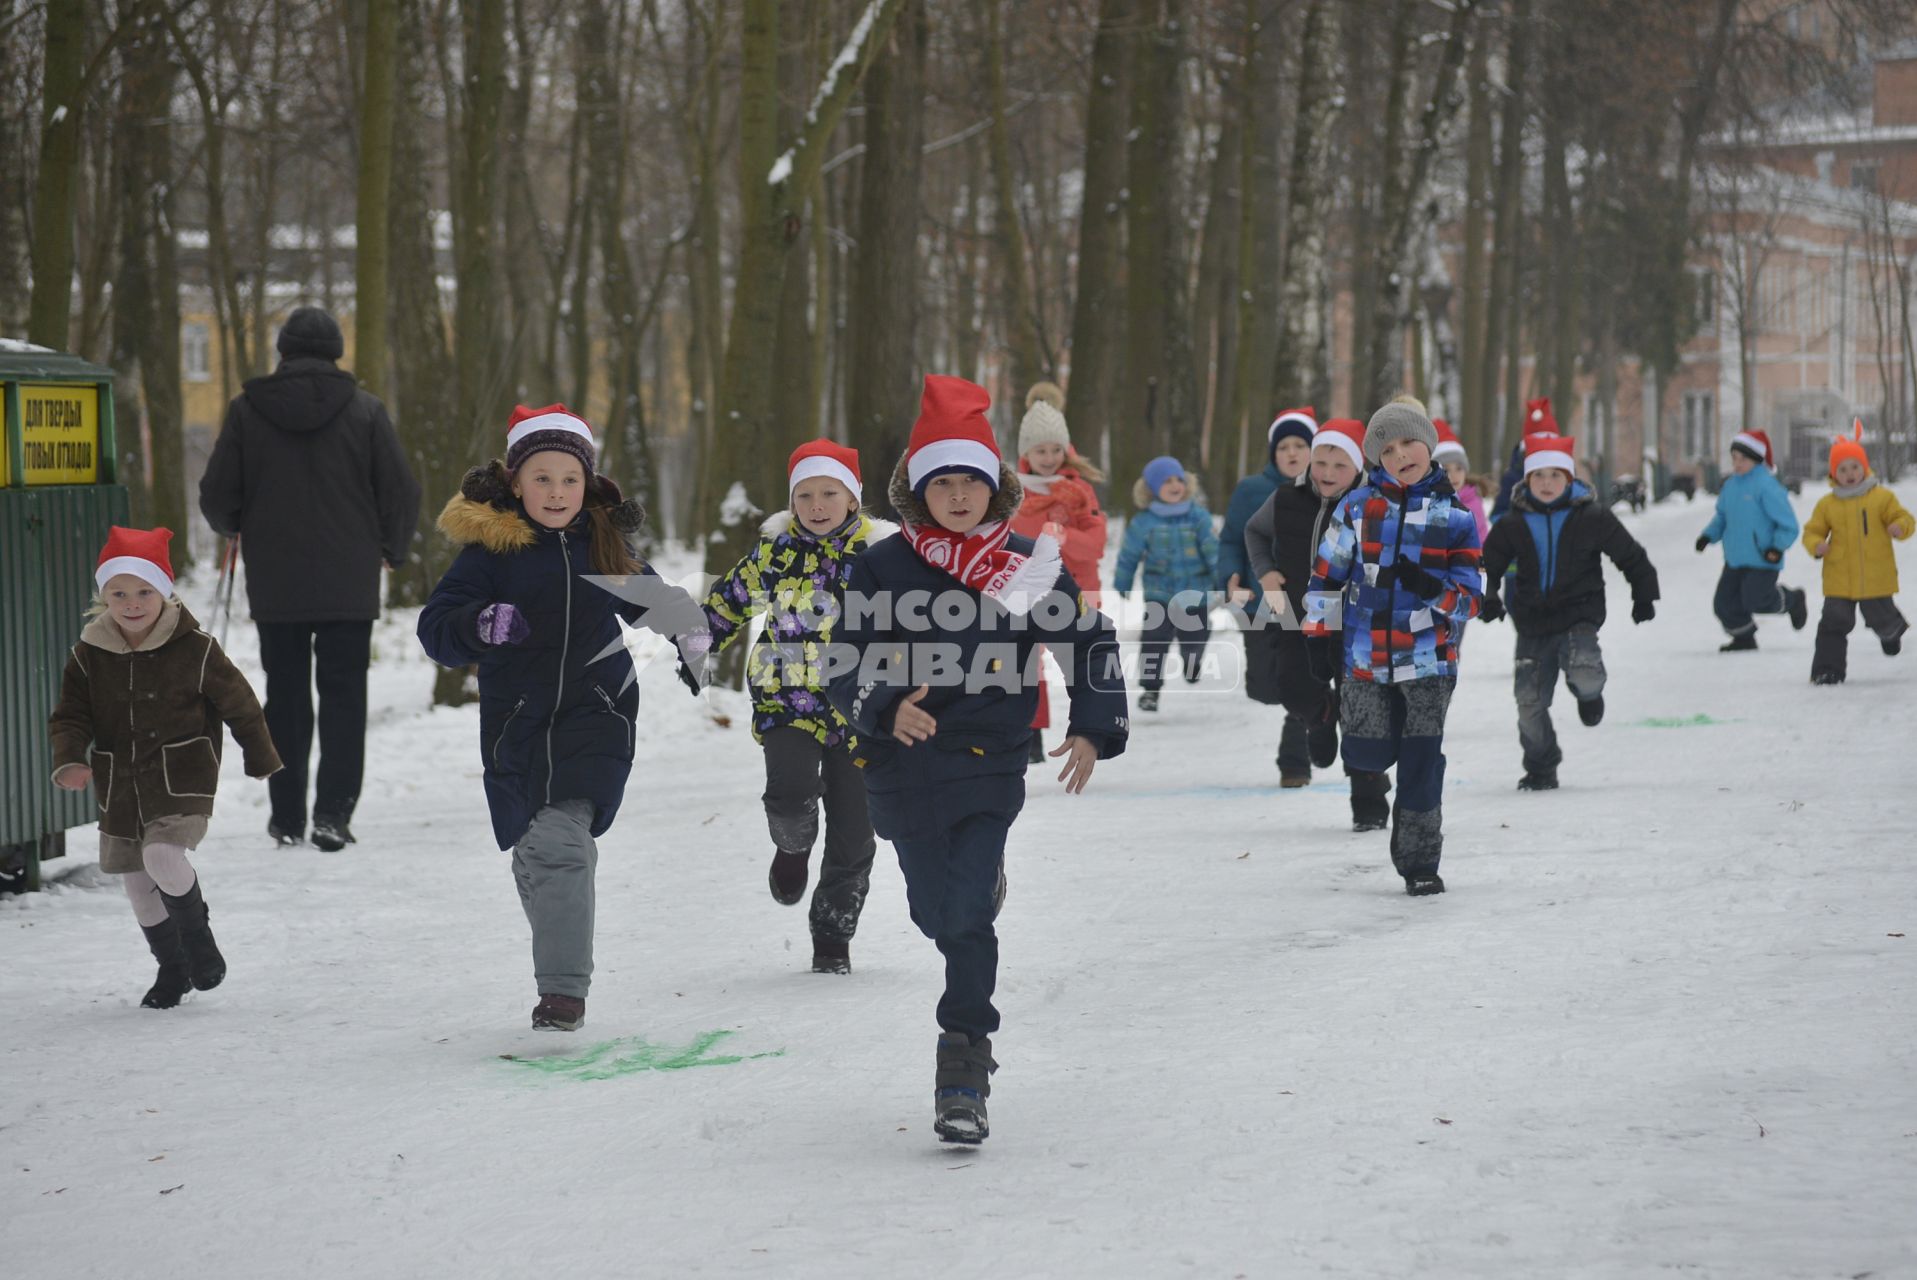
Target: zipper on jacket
565,648
501,739
632,743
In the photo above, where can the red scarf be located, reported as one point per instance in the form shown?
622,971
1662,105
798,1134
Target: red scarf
982,561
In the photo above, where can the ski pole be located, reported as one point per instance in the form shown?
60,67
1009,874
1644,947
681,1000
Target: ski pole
228,572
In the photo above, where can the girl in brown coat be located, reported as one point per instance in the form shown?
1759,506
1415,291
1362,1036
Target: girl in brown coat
139,716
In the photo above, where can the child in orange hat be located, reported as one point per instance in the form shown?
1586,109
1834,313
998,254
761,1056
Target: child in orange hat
1851,532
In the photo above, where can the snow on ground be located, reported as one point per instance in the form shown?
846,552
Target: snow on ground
1661,1023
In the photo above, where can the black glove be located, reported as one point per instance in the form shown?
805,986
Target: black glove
1702,543
1491,608
1414,578
1318,656
689,680
1330,714
1773,556
1643,610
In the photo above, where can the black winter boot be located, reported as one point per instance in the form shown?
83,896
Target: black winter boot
1591,710
1148,700
1370,810
330,835
1740,643
204,963
831,955
1539,780
963,1083
284,837
787,877
1322,742
163,940
1420,886
1797,604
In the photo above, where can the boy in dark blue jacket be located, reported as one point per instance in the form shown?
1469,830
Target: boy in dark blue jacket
935,666
1557,534
534,599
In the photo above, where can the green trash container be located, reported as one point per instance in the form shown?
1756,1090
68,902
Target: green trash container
57,497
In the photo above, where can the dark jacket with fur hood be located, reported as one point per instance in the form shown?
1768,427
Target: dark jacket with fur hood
557,710
148,720
309,470
975,763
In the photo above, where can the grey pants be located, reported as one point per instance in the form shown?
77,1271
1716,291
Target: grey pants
1539,660
554,864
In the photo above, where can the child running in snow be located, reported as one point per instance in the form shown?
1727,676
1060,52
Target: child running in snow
1756,525
557,690
1281,541
1450,455
934,668
1289,453
142,702
1851,532
1170,543
796,576
1059,500
1556,533
1397,571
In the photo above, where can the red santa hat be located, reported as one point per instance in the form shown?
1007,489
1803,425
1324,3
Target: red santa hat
817,458
552,426
952,433
1449,446
1757,444
1541,452
140,552
1538,418
1347,434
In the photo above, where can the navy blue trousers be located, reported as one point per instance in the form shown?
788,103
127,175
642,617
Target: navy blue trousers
950,876
1744,592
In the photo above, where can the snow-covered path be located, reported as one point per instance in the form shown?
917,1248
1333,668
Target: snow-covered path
1661,1023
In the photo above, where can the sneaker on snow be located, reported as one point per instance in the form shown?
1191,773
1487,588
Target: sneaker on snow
330,835
284,837
1591,710
1740,644
831,956
787,877
1539,780
1148,700
1797,604
960,1088
1423,886
1826,677
559,1013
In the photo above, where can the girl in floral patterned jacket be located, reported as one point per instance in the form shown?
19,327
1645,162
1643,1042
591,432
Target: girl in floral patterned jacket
796,577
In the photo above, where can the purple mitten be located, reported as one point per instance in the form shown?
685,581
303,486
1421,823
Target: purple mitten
502,624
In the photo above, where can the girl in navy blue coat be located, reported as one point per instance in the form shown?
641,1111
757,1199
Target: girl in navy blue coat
936,668
545,573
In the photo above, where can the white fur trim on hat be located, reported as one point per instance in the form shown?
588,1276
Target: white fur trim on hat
1342,442
952,453
145,570
1042,424
1752,443
831,468
550,422
1448,447
1544,458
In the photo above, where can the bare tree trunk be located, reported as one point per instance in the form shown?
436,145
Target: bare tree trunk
1473,409
1214,310
1404,207
883,317
1097,339
370,254
1501,347
1259,260
1557,348
57,175
482,372
1302,365
792,352
1027,363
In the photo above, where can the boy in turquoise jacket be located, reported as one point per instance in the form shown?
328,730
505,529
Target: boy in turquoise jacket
1756,525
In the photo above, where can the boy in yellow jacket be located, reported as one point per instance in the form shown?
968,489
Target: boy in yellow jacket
1851,532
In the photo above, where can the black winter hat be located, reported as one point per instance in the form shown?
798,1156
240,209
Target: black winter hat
311,332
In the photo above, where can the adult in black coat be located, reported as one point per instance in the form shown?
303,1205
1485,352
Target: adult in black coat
309,474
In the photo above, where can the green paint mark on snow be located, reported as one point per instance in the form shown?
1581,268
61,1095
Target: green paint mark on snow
630,1055
1679,722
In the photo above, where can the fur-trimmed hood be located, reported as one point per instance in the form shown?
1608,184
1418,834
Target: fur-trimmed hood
780,523
1142,497
1003,506
103,633
485,512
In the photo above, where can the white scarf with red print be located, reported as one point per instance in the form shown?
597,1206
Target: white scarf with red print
982,561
